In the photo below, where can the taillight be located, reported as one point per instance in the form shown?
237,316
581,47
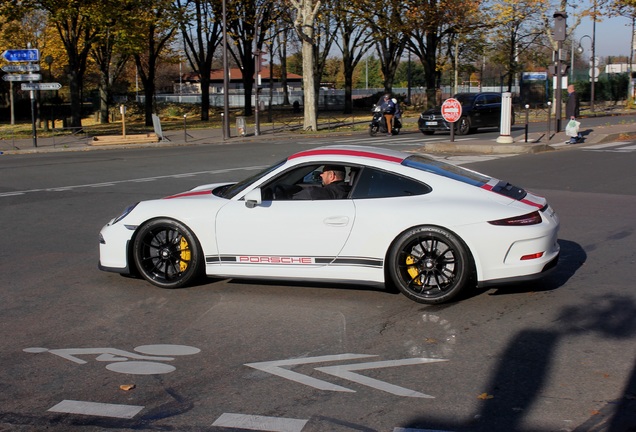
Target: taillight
527,219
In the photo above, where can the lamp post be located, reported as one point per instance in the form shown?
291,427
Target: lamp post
226,79
593,65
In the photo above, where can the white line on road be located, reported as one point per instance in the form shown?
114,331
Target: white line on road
261,423
138,180
604,146
345,371
97,409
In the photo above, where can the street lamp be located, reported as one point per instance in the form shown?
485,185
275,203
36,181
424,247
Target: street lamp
593,65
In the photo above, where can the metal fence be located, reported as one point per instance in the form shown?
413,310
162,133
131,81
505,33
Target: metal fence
328,99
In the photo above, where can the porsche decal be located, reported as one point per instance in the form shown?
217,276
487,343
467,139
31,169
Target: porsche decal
293,260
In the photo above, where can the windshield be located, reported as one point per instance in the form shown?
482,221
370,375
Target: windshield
425,163
465,99
236,188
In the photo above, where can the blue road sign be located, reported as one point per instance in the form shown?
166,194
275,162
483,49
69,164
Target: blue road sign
20,55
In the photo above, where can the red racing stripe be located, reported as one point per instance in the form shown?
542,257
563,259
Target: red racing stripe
356,153
187,194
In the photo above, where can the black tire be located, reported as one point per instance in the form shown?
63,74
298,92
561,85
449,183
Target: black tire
463,126
429,265
167,254
396,131
374,129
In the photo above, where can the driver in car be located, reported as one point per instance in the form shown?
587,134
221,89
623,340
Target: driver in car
333,185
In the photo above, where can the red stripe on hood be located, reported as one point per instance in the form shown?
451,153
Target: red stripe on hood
188,194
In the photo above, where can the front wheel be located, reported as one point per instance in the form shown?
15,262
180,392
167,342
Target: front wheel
463,127
374,129
429,265
167,254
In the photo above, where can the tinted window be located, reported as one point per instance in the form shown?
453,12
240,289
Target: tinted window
435,166
493,99
374,183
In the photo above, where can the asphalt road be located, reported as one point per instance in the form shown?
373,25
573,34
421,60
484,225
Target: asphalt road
556,355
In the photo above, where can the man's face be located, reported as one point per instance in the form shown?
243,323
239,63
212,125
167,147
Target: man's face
327,177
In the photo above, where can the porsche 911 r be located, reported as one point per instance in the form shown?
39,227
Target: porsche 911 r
427,227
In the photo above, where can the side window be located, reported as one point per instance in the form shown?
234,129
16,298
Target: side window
481,100
494,99
373,183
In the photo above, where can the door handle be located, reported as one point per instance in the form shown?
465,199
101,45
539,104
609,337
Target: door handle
337,221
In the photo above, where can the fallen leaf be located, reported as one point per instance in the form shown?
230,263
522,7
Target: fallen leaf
127,387
485,396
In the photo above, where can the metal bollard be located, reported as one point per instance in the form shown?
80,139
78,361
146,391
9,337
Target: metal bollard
527,119
549,117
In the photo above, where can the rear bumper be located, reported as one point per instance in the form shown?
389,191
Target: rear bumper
547,269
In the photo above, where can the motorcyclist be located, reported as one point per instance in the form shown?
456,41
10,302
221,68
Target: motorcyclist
388,110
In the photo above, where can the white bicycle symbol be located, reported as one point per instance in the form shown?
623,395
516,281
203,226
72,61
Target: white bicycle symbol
145,363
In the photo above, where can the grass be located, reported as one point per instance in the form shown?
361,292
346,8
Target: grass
172,118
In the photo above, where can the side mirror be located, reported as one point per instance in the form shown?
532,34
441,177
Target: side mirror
253,198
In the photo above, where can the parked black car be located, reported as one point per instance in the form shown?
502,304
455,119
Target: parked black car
479,110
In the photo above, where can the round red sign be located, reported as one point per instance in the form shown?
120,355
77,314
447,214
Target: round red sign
451,110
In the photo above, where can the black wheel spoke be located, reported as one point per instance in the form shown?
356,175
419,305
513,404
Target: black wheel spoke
430,265
166,253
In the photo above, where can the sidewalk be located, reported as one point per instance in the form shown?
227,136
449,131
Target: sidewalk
536,142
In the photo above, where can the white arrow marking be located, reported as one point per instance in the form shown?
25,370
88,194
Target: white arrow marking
274,368
344,371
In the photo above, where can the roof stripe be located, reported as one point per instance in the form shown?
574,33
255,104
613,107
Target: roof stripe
341,152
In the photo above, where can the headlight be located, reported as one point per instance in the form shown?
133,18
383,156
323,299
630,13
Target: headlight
125,213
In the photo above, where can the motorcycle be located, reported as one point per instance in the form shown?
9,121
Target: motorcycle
378,122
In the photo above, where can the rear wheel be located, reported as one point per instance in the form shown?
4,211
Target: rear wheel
429,265
167,254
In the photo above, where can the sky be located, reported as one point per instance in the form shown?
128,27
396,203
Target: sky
613,36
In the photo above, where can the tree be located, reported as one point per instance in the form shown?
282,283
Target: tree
305,12
354,42
75,22
156,22
109,53
519,27
428,24
201,33
248,22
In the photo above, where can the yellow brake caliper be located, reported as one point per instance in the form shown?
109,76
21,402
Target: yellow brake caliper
185,254
413,271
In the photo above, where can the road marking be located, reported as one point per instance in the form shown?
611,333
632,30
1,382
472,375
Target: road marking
138,180
124,361
345,372
603,146
96,409
261,423
401,429
274,368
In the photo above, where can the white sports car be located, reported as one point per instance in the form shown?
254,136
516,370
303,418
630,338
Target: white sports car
427,227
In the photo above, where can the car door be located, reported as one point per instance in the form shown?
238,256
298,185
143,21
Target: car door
283,232
480,111
494,109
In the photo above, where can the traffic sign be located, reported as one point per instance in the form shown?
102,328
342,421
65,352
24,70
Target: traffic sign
22,68
451,110
21,55
41,86
23,77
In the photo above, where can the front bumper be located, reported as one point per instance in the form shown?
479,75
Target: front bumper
114,241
